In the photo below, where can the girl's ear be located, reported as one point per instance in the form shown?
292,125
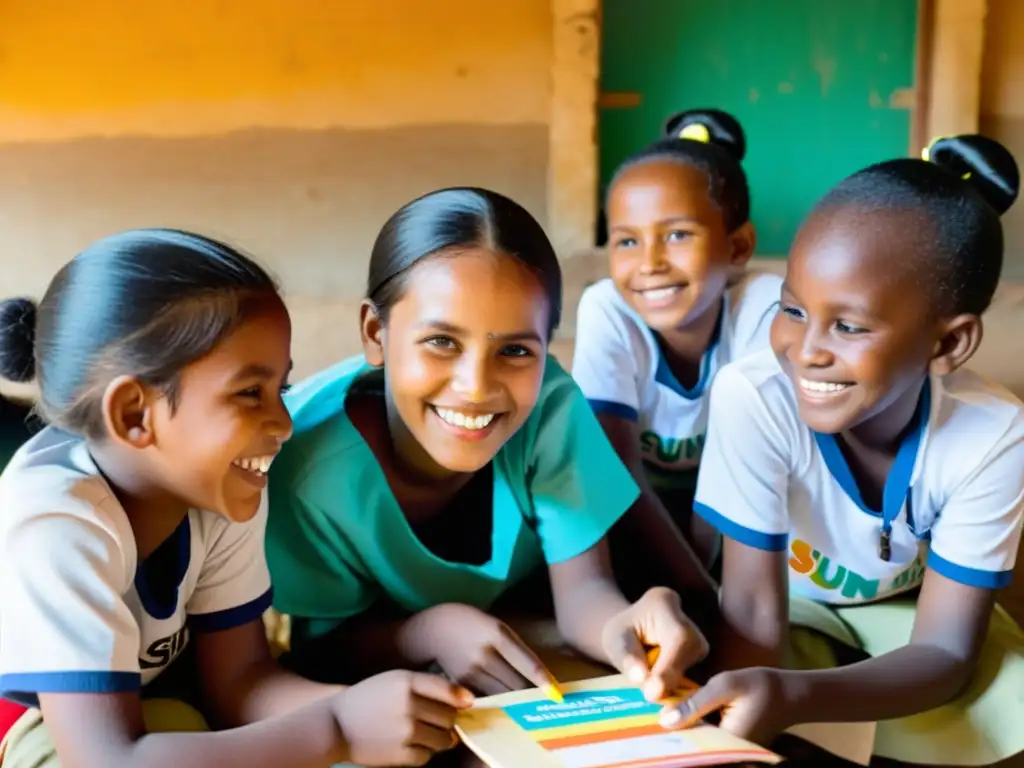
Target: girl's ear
371,328
743,242
128,412
959,340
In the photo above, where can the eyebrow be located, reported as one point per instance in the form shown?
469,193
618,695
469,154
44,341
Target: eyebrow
866,311
454,330
259,371
669,220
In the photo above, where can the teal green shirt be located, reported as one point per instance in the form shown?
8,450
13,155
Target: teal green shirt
337,539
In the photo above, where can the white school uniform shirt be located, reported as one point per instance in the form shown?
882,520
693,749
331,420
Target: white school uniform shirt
75,612
620,368
953,499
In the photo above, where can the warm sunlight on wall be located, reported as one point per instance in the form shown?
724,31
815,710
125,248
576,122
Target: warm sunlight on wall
200,67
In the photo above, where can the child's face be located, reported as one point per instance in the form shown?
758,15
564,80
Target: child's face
230,422
671,256
463,353
856,330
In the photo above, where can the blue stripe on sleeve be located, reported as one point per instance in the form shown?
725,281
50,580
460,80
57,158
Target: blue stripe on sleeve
972,577
770,542
611,408
23,687
231,617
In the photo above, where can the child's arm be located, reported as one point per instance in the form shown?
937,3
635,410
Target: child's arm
754,608
399,718
758,703
94,730
650,523
241,681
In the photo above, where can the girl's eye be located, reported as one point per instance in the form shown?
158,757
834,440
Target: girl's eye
625,242
516,350
444,343
844,327
794,312
285,387
677,234
252,393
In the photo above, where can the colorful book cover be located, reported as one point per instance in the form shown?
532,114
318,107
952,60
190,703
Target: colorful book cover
603,723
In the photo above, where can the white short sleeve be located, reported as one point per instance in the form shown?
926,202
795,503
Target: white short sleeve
604,361
234,583
65,626
976,537
744,470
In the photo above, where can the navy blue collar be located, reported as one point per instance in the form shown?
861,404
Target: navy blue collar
663,373
897,484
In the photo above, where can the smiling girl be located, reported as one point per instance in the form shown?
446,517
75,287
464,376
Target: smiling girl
860,468
679,304
131,540
453,459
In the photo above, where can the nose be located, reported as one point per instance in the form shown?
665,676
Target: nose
472,379
279,423
654,260
812,349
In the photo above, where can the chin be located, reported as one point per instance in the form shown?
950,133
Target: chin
826,422
463,462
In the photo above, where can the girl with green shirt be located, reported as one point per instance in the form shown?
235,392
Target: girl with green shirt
431,474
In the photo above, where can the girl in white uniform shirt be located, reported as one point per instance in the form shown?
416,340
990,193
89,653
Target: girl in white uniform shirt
133,527
859,461
678,306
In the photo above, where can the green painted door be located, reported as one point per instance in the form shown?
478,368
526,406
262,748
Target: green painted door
821,88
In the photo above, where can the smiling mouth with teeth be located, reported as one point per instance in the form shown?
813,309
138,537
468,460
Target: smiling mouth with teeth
658,295
258,465
472,422
820,388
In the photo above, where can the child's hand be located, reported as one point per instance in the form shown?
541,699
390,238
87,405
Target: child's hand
750,702
656,619
479,651
399,717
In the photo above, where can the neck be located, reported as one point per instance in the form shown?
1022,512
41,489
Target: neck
885,431
689,342
153,513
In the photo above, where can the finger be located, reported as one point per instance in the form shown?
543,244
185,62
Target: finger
626,653
433,712
500,669
522,658
718,693
679,650
486,685
415,756
439,689
431,737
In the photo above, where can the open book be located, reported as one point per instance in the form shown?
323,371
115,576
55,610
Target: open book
603,723
607,723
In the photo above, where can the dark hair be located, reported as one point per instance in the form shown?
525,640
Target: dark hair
144,303
449,219
712,141
963,186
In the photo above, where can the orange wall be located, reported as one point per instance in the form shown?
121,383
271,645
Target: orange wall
292,133
193,67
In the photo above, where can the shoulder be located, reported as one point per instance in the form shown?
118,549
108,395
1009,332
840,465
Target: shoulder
969,410
753,301
322,395
755,388
602,303
55,503
53,473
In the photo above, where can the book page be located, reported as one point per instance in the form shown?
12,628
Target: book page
602,723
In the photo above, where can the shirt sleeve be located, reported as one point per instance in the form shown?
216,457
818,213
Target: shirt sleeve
604,362
234,583
744,469
66,627
578,486
760,304
975,539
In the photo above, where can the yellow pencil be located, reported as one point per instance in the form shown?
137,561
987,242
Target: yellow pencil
553,690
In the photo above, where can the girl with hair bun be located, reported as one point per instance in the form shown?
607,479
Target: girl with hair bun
131,540
679,305
432,475
869,487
